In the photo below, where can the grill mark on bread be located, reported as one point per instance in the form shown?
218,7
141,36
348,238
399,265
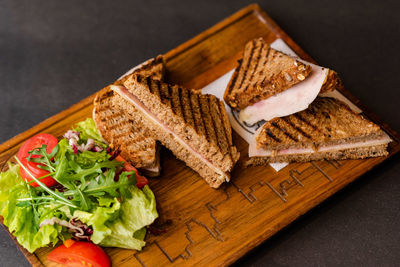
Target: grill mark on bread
148,82
289,121
222,140
265,63
164,94
188,109
157,89
181,104
174,100
199,112
232,83
164,88
213,122
283,130
249,59
270,134
255,62
226,137
206,118
299,117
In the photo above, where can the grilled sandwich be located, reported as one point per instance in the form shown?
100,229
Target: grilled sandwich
195,127
328,129
268,83
128,134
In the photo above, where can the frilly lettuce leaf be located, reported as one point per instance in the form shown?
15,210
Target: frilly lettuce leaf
122,224
22,221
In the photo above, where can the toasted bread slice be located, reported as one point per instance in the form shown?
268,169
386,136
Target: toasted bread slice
129,135
193,126
264,72
328,129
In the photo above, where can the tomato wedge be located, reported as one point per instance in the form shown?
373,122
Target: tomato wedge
80,254
36,142
141,181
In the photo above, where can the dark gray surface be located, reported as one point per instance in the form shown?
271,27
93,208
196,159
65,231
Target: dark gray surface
54,53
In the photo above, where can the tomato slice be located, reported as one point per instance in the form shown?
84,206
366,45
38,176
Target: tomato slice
80,253
36,142
141,181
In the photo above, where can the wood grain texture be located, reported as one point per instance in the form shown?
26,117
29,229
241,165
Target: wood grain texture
215,227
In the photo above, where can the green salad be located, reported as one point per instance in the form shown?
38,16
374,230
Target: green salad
83,192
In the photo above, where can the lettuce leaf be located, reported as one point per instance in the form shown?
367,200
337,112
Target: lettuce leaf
136,213
122,224
22,221
140,210
99,219
123,237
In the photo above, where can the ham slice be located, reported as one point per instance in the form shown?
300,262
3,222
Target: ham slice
290,101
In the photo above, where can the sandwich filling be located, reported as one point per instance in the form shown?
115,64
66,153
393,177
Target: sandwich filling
123,92
262,152
290,101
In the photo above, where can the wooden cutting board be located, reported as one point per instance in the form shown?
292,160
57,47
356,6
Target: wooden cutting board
203,226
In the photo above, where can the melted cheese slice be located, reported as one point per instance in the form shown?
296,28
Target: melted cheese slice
295,99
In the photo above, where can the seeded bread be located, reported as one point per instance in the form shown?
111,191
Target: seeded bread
332,82
199,120
262,73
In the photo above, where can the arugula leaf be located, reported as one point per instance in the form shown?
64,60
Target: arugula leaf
44,158
106,184
61,161
97,168
56,195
